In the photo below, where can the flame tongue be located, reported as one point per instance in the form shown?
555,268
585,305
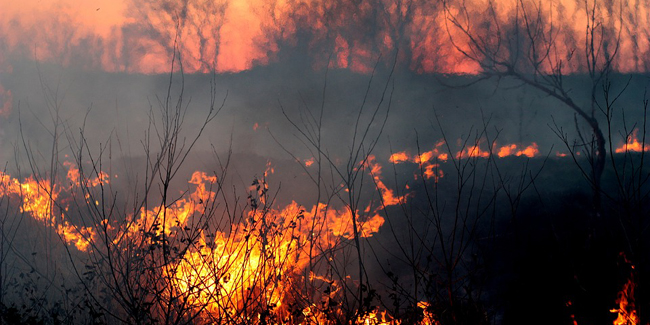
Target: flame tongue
260,259
632,144
39,197
256,266
627,310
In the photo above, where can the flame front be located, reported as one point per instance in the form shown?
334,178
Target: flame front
38,198
632,144
233,274
626,309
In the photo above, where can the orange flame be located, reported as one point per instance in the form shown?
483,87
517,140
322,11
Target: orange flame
626,311
382,318
474,151
512,150
38,198
74,176
632,144
271,244
433,171
422,158
399,157
387,194
257,261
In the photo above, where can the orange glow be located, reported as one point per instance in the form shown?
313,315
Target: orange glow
269,169
422,158
433,171
632,144
74,177
383,318
573,316
230,36
309,162
512,150
399,157
429,318
38,199
472,152
373,318
436,152
430,170
269,246
99,16
258,259
626,310
530,151
507,150
387,194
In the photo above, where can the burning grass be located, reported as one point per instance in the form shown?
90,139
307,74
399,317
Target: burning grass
263,264
270,266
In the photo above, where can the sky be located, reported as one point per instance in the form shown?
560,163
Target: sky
127,37
235,35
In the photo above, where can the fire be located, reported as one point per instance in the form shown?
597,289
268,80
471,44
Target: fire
373,318
626,309
430,170
573,316
424,159
74,176
632,144
436,152
387,194
429,318
474,151
271,245
382,318
513,150
433,171
231,273
399,157
430,160
256,262
38,198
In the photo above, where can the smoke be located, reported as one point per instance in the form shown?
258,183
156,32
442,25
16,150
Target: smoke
100,72
231,36
104,65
